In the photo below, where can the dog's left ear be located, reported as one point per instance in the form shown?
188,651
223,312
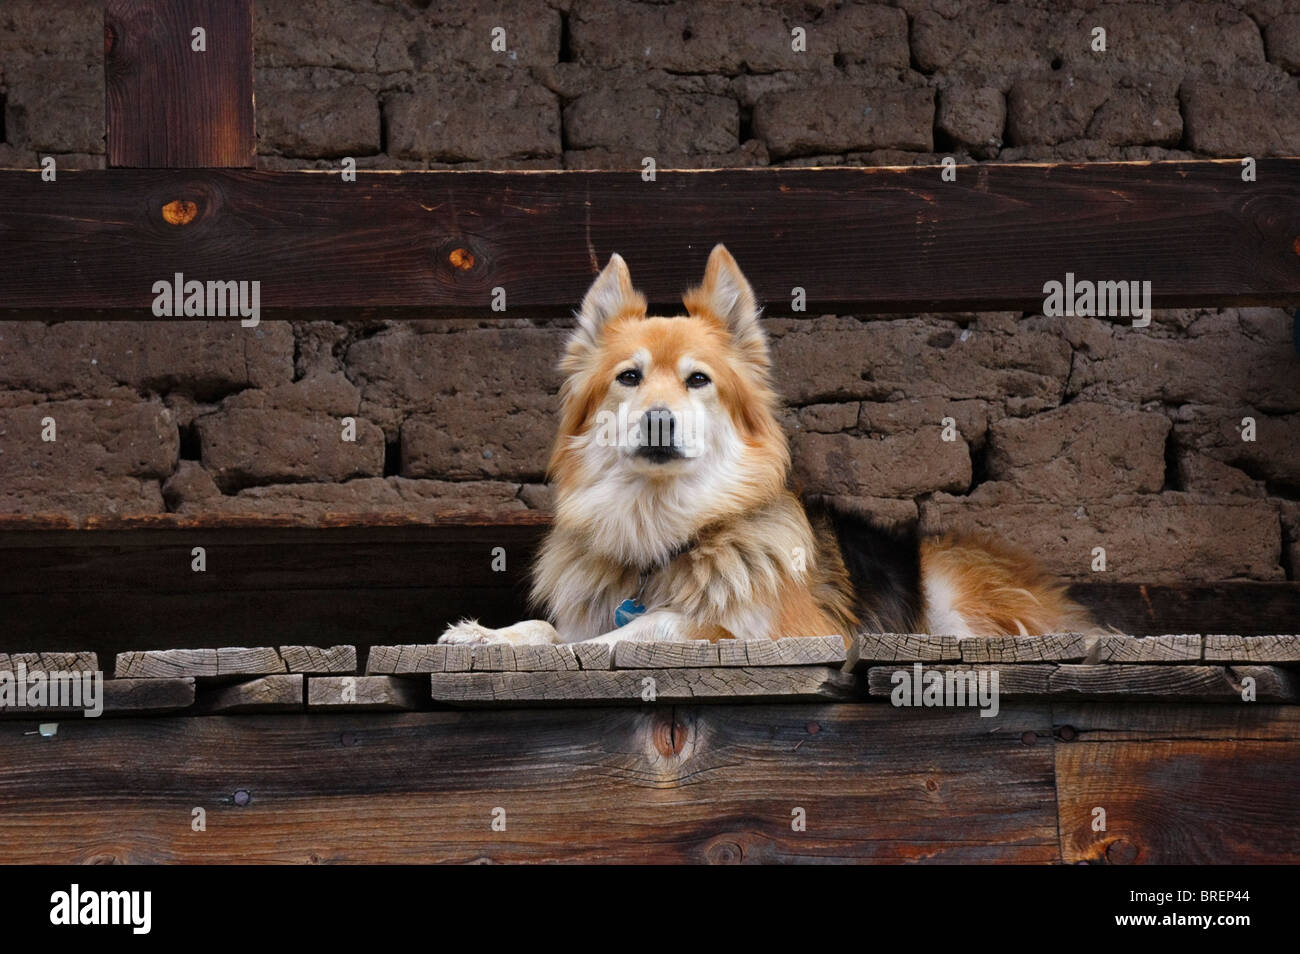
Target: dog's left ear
726,295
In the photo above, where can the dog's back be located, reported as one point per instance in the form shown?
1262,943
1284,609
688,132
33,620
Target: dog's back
903,582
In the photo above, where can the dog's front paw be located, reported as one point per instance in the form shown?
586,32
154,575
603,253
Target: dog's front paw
469,633
531,632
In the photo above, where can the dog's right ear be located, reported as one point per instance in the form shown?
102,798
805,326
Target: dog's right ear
610,296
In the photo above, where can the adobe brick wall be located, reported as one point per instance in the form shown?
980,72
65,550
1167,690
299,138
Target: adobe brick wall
1070,433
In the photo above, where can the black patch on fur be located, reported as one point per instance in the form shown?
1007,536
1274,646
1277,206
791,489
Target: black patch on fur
884,563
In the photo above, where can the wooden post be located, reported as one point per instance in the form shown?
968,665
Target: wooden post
179,83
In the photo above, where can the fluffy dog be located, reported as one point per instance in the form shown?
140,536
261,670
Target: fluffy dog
673,516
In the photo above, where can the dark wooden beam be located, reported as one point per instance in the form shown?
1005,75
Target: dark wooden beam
130,586
427,244
627,784
1142,609
642,784
169,105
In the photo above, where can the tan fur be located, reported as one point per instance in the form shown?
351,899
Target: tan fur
999,590
718,547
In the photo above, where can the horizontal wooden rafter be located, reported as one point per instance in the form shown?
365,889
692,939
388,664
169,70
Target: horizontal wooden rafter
428,244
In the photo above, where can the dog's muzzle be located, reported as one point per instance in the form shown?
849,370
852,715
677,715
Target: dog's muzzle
657,436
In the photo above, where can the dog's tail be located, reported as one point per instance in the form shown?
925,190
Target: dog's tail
979,586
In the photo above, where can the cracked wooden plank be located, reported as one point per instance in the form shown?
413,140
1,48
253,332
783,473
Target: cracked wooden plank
491,657
278,693
791,651
1053,647
1106,681
365,693
1260,649
318,661
413,658
1190,683
1023,680
637,686
664,654
1144,649
199,663
126,697
868,648
49,662
595,656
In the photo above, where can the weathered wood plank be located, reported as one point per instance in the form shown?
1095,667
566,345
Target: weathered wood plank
493,657
593,655
792,651
123,697
398,242
708,783
504,657
1200,683
1144,649
661,654
1055,647
169,105
319,661
1261,649
1184,802
365,693
1107,681
869,648
1023,680
412,658
49,662
1113,721
624,686
278,693
200,663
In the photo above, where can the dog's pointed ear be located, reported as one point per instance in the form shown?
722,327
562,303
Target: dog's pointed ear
726,295
609,296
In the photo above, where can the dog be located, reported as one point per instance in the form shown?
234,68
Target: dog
674,518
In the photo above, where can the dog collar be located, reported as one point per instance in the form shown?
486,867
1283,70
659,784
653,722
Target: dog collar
632,607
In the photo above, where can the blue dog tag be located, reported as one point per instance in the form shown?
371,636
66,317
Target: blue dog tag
627,611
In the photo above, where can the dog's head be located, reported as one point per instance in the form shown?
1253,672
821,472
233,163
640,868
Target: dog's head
658,403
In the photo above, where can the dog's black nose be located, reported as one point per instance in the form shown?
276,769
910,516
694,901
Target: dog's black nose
658,428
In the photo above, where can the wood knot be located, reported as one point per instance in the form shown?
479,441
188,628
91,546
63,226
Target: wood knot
461,258
669,735
1029,738
179,212
725,853
1066,733
1121,852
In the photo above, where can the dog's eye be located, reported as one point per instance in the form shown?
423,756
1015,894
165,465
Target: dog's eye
698,379
631,377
